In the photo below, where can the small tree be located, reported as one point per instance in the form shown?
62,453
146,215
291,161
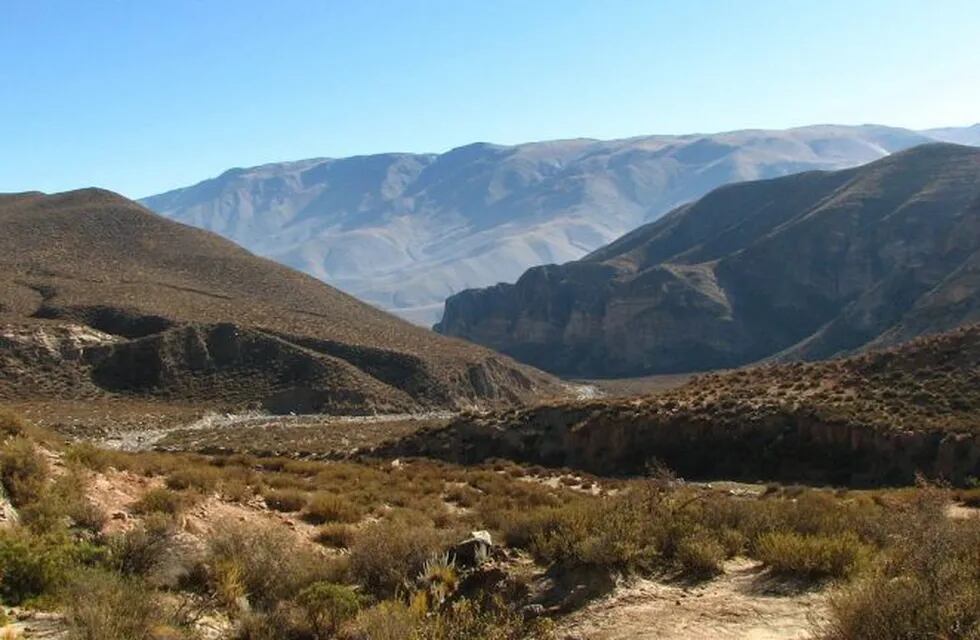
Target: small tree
327,606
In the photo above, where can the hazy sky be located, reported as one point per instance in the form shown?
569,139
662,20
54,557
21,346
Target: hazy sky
141,96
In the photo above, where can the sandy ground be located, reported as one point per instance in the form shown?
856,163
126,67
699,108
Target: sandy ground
744,603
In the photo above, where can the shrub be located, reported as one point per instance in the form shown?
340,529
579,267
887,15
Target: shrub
286,500
386,556
389,620
326,606
63,502
23,471
326,507
813,556
339,536
160,500
11,424
927,587
199,477
92,457
265,563
141,549
700,555
105,606
33,565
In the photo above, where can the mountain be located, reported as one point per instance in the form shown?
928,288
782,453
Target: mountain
405,231
879,417
801,267
100,297
956,135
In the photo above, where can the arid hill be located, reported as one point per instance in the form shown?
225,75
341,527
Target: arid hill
874,418
803,267
99,296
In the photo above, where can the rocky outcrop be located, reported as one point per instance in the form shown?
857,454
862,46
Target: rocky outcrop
878,418
801,267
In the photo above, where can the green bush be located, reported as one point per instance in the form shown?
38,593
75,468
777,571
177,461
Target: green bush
814,556
63,502
326,606
23,471
33,565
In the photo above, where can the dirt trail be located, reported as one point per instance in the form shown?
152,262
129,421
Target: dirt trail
744,603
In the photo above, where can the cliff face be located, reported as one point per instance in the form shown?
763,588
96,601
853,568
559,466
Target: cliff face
801,267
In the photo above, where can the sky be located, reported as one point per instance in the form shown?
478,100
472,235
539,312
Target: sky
142,96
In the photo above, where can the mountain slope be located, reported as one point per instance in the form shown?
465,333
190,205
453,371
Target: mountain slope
405,231
879,417
100,296
804,266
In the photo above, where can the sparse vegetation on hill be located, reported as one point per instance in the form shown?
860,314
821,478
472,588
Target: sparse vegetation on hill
102,298
876,418
804,267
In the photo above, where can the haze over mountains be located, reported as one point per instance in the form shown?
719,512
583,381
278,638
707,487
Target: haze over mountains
101,298
405,231
801,267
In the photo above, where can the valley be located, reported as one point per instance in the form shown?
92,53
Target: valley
200,444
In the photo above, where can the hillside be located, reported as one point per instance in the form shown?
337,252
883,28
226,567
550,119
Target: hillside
874,418
100,297
405,231
802,267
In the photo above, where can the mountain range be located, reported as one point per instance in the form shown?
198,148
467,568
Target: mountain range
102,299
405,231
806,266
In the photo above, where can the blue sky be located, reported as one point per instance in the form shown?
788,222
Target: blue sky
141,96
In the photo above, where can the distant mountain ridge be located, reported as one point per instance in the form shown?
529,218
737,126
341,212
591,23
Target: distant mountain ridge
405,231
806,266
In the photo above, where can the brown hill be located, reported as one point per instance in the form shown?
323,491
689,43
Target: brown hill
878,417
99,296
802,267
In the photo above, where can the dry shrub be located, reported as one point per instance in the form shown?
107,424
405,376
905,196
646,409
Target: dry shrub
327,507
813,556
385,556
160,500
336,535
143,548
927,587
286,500
11,424
200,477
701,554
105,606
265,563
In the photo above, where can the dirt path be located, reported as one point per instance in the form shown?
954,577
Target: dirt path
744,603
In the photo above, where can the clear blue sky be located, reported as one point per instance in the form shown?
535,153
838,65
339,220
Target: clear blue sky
141,96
